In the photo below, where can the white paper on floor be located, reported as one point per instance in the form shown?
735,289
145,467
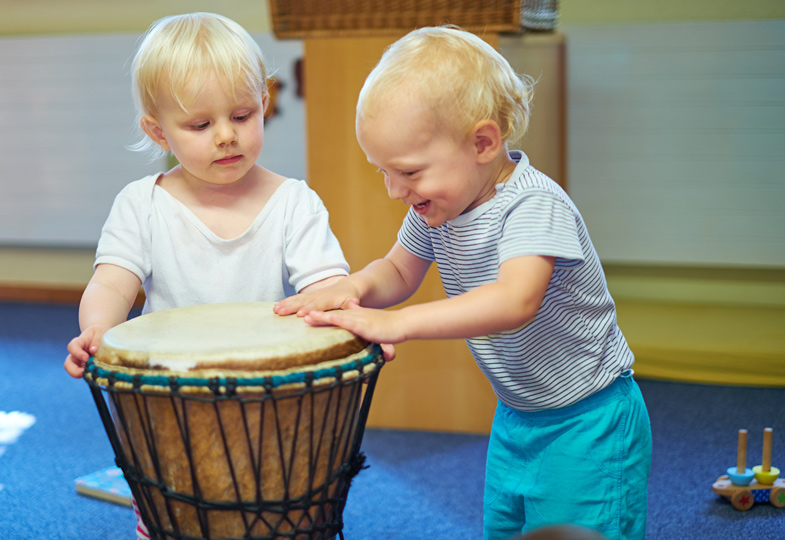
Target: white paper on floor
12,425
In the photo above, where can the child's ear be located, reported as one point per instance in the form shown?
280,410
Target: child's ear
487,140
154,130
265,103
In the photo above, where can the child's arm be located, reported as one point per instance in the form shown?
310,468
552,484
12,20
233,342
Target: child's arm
326,282
508,303
384,282
106,301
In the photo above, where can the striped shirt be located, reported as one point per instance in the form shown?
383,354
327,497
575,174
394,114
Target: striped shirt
573,347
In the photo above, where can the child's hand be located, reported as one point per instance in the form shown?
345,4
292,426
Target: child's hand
313,298
352,307
374,325
81,348
388,350
305,304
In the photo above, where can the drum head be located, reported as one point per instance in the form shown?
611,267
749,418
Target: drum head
231,336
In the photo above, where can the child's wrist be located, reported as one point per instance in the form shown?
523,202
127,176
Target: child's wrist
401,322
353,289
96,327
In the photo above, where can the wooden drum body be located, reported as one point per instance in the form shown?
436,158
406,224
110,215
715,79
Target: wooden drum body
231,422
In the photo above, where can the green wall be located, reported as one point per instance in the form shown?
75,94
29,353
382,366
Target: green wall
42,17
87,16
590,12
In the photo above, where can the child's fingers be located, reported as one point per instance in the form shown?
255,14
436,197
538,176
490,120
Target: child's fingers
351,303
74,367
78,354
302,305
319,318
320,303
388,351
84,342
288,306
80,349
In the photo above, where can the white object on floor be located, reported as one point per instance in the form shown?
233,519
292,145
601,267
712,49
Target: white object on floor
12,425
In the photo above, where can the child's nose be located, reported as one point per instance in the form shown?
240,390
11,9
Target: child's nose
224,134
395,190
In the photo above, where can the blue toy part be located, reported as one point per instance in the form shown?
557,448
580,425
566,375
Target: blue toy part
740,479
761,495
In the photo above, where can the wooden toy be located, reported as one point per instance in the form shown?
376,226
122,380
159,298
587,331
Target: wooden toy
745,487
740,475
765,473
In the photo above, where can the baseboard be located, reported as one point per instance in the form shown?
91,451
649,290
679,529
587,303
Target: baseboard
54,294
739,345
49,293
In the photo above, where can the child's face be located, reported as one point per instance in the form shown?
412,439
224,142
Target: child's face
433,172
218,138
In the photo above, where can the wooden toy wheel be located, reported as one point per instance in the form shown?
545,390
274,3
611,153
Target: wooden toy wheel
777,497
742,500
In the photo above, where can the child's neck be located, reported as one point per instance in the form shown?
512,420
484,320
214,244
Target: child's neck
227,210
185,186
502,167
223,194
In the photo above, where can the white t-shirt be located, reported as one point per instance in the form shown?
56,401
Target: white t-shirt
181,262
573,347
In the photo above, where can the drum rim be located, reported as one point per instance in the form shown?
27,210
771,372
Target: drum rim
128,345
254,380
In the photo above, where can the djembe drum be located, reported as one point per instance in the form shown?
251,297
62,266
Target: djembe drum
229,421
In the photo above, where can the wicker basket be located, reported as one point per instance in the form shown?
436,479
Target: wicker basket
540,14
330,18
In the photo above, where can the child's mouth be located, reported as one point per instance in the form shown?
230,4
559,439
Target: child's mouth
228,160
422,207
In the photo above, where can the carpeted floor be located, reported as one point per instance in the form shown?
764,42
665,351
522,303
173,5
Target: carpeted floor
419,485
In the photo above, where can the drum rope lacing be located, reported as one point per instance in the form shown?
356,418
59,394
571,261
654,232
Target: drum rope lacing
221,385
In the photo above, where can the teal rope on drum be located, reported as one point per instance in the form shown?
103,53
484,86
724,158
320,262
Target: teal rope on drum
269,382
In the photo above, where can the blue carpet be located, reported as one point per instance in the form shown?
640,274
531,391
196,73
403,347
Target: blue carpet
418,485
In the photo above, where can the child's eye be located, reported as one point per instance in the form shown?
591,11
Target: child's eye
408,173
200,126
242,117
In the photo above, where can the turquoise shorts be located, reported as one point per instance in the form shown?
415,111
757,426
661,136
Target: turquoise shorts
586,464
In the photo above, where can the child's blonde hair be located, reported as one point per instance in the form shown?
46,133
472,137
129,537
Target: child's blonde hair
461,79
178,53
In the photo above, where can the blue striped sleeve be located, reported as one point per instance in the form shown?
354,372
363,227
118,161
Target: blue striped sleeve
538,222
